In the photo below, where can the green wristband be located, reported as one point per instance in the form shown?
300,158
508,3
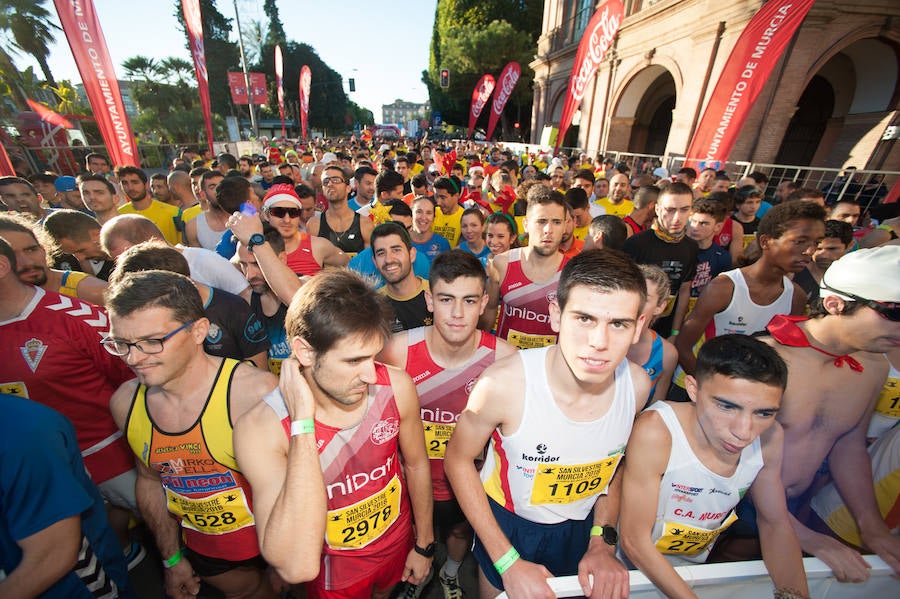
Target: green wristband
302,427
169,563
596,531
509,558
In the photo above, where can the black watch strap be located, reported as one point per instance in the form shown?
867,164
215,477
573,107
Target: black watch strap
427,551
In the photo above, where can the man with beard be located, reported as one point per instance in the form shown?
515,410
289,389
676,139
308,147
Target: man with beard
667,246
31,258
393,255
525,279
78,234
618,203
134,184
346,229
159,189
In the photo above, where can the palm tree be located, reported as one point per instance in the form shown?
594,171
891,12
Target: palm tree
177,70
141,67
28,23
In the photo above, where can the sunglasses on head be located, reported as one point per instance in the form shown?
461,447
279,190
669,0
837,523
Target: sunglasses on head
282,211
889,310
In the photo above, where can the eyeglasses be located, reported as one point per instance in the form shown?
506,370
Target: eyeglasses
118,347
333,181
889,310
282,211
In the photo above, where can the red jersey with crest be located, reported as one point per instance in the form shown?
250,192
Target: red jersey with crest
525,312
443,394
368,507
51,353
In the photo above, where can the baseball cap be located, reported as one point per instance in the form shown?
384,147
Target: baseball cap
660,172
329,157
281,192
65,183
865,274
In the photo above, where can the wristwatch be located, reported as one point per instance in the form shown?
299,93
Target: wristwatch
255,239
610,535
428,551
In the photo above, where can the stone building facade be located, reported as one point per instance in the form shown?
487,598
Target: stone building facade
829,101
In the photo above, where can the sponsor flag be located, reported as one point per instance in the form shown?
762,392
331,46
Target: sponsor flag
194,26
82,28
742,79
6,167
305,81
505,84
479,99
238,87
595,41
279,76
49,116
258,93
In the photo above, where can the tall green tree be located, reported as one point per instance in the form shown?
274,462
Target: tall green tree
474,37
276,34
26,23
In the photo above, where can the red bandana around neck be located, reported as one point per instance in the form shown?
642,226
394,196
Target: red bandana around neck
785,331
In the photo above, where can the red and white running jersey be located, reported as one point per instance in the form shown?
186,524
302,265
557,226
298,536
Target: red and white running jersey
525,311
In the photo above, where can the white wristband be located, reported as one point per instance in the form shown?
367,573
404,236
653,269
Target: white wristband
302,427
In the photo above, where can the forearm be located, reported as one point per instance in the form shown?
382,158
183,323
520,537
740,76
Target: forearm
782,556
151,499
684,297
418,478
657,568
295,530
281,279
44,564
851,468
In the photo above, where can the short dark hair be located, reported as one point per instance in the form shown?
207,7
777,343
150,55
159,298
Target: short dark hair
198,171
504,219
614,230
577,198
777,220
362,171
43,178
541,195
131,170
741,357
390,228
100,179
450,184
93,155
335,304
209,174
387,180
399,208
742,194
715,209
158,177
645,195
150,255
691,173
761,179
420,180
227,159
602,270
231,193
69,224
451,265
676,188
6,181
7,252
804,193
304,191
586,174
155,289
838,229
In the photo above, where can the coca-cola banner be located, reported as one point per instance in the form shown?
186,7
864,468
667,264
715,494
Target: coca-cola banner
82,28
6,167
505,85
595,41
279,76
305,81
479,99
742,79
239,88
194,27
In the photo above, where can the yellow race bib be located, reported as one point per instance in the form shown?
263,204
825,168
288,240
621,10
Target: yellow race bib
436,438
359,524
569,483
682,539
275,365
216,514
889,401
16,388
526,341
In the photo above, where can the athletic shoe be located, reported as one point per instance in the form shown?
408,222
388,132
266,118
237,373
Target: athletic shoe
136,555
415,591
450,584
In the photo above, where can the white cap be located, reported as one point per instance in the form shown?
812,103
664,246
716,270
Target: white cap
329,157
872,274
660,172
384,147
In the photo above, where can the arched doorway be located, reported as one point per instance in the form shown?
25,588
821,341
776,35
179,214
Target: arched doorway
807,126
643,115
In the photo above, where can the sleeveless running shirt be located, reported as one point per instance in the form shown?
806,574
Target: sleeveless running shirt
524,312
695,504
654,364
301,260
203,486
207,237
368,507
443,394
349,241
552,468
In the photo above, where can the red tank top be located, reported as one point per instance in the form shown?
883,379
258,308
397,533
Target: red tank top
633,225
443,394
723,239
368,508
301,260
525,312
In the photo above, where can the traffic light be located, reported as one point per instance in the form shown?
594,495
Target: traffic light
445,78
352,84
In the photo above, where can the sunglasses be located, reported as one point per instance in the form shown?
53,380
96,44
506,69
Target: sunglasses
282,211
889,310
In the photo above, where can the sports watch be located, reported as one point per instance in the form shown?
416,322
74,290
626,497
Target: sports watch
255,240
428,551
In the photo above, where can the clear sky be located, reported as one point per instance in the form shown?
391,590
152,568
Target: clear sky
383,46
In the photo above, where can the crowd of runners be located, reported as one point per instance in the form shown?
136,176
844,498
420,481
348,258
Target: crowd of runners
342,369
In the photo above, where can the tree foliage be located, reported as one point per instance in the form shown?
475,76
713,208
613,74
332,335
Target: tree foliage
26,23
474,37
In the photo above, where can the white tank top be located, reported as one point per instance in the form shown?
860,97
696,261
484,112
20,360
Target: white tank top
887,408
552,468
742,315
208,238
696,504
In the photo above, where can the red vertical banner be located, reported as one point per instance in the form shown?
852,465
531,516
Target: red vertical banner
6,167
194,26
480,96
82,28
305,82
505,85
279,75
743,77
258,94
596,40
238,87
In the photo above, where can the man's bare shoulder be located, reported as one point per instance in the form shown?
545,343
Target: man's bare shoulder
248,386
120,402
